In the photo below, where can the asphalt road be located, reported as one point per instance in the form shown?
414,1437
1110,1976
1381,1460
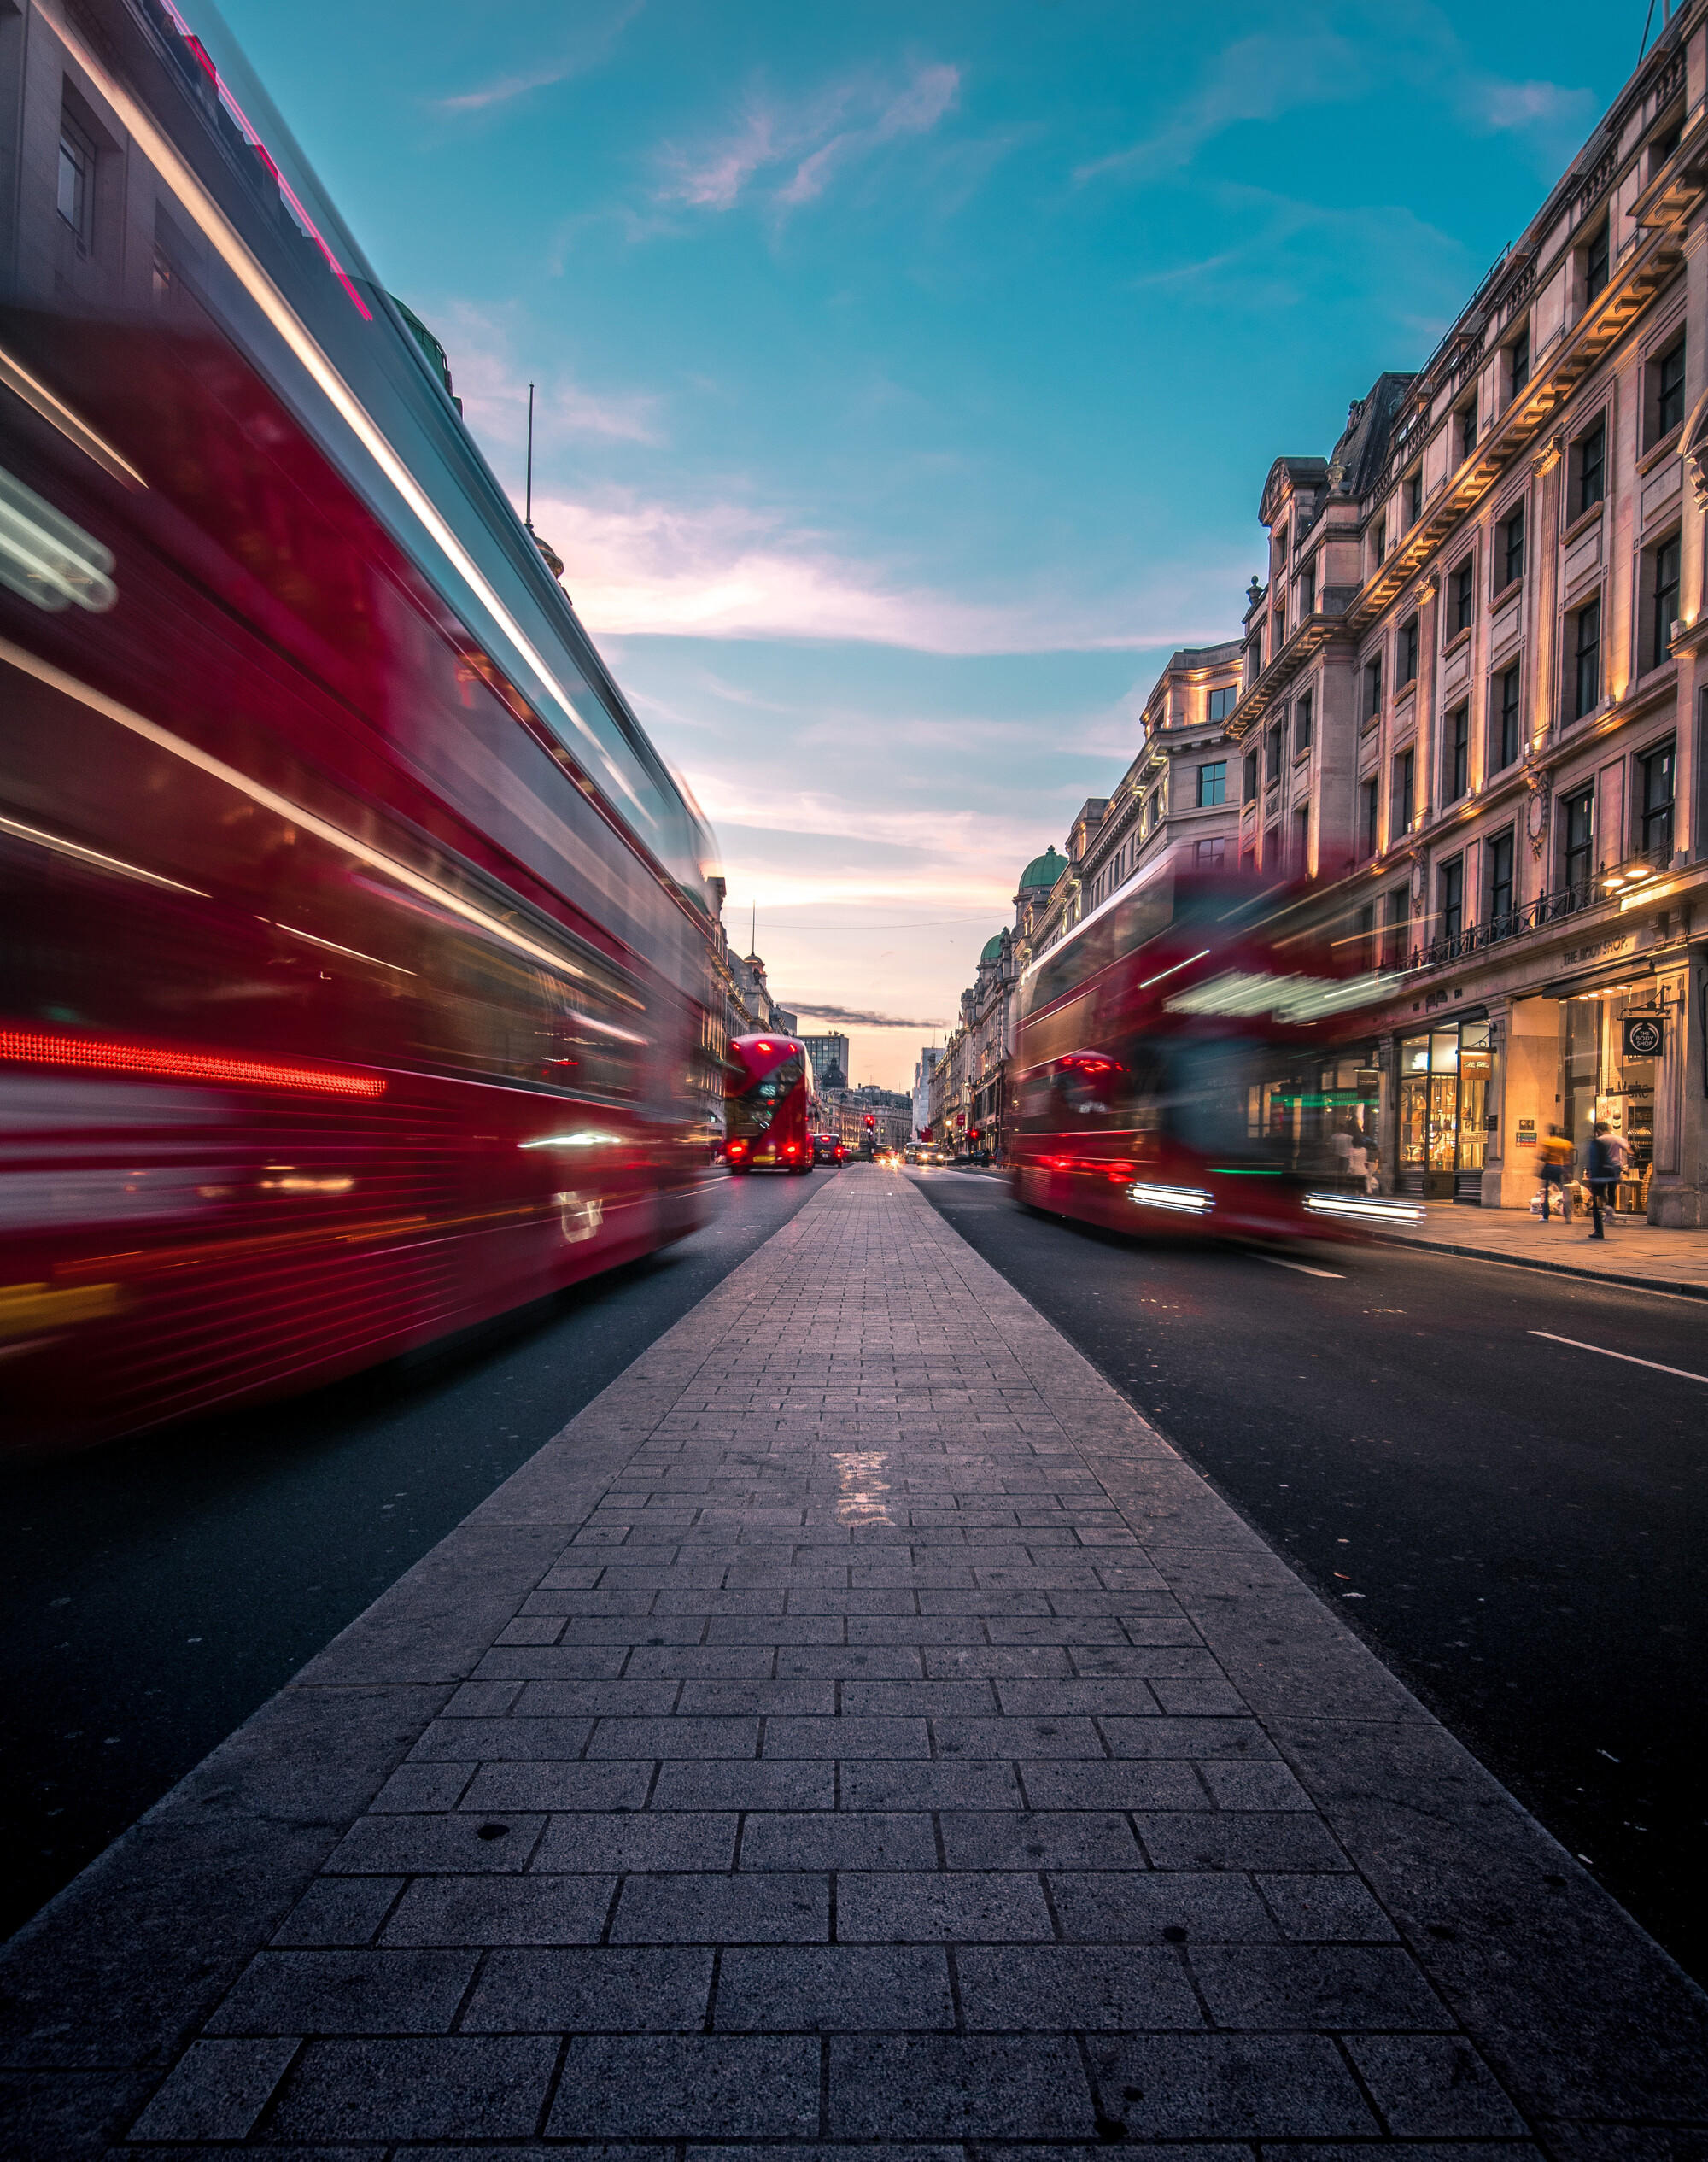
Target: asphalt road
1518,1527
155,1592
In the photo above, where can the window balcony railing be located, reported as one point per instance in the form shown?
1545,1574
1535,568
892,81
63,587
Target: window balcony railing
1626,878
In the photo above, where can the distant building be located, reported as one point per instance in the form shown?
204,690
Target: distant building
929,1055
830,1057
847,1110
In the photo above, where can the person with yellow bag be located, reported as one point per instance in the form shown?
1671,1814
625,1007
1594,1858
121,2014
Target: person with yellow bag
1553,1155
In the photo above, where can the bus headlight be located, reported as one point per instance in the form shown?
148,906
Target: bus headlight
1370,1208
1183,1201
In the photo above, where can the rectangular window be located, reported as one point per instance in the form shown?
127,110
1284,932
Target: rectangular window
1466,420
1461,598
1250,775
1595,260
1586,660
1405,652
1519,362
1209,855
1372,687
1222,701
1381,540
1458,733
1506,717
1590,463
1302,841
1275,751
1450,897
1307,594
1578,826
1498,856
1372,809
1404,776
1663,601
1303,713
1278,636
76,179
1654,775
1395,929
1213,784
1509,549
1414,499
1365,948
1666,391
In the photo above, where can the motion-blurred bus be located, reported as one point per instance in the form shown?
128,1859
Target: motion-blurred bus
1169,1070
354,980
770,1105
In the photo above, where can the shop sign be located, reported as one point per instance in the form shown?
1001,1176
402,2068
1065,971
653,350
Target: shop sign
1527,1132
1644,1035
1619,943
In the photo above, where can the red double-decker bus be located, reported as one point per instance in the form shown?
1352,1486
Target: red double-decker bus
354,980
770,1105
1178,1068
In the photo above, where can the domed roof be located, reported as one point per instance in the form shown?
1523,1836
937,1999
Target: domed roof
992,949
1043,871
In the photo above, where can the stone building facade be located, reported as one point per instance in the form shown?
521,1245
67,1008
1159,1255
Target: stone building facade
1476,681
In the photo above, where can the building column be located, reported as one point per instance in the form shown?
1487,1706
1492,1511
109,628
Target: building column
1541,646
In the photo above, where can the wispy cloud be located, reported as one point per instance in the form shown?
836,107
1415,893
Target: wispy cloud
589,46
788,153
729,571
1314,57
850,1017
495,391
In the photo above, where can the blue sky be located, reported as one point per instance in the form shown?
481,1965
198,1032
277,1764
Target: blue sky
908,376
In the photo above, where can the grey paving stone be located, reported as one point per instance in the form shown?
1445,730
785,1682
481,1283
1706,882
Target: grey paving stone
485,1740
1332,1988
501,1910
745,1786
918,2086
847,1737
1035,1839
949,1661
676,1737
545,1697
552,1786
1036,1988
430,1787
1197,1739
848,1988
769,1699
408,1845
451,2087
1111,1908
1254,1786
874,1785
865,1662
688,2086
1131,1785
845,1839
653,1839
758,1909
1433,2087
1263,2087
215,2091
339,1910
1239,1840
346,1993
918,1699
1122,1696
1017,1737
609,1989
1326,1910
964,1906
701,1661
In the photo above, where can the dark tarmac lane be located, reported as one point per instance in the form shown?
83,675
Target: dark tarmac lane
1518,1527
155,1592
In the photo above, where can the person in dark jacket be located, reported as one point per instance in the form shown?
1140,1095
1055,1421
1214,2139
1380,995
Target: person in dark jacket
1602,1172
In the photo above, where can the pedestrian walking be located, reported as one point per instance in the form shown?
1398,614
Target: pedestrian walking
1607,1154
1553,1154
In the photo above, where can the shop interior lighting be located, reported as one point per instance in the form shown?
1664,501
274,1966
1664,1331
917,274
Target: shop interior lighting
1644,895
1370,1208
1183,1201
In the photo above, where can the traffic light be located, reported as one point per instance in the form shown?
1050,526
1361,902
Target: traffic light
871,1118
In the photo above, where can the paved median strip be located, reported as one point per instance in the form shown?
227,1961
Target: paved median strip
857,1725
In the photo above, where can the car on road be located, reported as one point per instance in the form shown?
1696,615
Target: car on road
829,1148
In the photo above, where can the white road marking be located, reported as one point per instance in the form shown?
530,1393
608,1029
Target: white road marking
1276,1261
1654,1365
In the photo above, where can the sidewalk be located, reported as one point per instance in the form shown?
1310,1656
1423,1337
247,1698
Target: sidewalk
1633,1252
857,1728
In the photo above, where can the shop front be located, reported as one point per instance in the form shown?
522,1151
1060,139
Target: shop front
1446,1108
